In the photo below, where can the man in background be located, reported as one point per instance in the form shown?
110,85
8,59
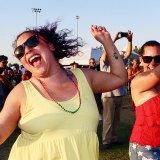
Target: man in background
3,61
93,65
112,101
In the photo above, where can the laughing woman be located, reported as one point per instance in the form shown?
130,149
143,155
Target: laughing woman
55,109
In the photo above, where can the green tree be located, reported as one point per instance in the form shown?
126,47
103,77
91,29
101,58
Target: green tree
137,50
100,47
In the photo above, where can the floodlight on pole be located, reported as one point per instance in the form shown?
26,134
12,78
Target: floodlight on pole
77,17
36,10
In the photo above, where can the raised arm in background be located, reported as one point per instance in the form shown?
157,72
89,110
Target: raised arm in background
103,81
129,44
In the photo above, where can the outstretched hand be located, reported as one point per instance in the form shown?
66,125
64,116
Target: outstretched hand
130,35
100,33
118,36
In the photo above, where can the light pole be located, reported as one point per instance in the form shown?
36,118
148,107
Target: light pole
36,10
77,17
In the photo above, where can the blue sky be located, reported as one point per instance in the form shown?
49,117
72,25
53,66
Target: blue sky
142,17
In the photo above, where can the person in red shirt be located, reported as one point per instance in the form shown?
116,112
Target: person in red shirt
27,75
145,92
132,72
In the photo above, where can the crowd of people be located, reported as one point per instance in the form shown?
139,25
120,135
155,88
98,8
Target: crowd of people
10,77
58,109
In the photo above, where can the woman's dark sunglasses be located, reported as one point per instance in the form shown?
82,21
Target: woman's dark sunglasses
31,42
148,59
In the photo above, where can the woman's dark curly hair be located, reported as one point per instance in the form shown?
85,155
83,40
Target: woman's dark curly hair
64,47
151,43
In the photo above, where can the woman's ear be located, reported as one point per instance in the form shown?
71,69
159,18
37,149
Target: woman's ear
51,46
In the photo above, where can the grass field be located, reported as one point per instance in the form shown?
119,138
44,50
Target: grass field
114,153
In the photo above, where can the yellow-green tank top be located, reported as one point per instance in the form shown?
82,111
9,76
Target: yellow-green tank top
50,133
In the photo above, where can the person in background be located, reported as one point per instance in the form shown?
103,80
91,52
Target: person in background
145,92
27,75
2,96
23,70
5,84
129,36
12,77
112,101
93,65
3,61
56,110
74,65
4,78
134,70
17,72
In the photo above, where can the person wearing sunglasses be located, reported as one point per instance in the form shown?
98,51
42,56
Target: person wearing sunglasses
145,92
56,109
94,66
149,59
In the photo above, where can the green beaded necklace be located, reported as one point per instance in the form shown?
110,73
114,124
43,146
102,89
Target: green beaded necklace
79,97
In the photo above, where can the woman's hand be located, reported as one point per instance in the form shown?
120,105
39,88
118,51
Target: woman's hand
100,34
130,35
